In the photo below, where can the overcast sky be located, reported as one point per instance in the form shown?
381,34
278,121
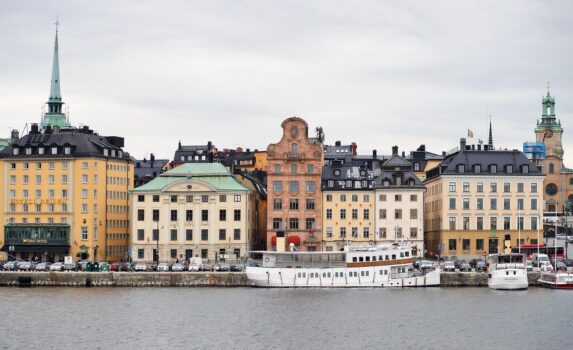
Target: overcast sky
380,73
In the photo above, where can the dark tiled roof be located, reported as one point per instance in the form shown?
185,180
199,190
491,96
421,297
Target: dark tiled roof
467,160
190,151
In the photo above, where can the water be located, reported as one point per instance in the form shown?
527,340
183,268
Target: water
248,318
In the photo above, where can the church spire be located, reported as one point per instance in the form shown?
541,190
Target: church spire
490,141
55,115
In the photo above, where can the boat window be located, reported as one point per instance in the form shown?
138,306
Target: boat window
387,258
367,273
374,258
381,272
329,274
380,258
361,258
342,274
304,274
367,258
385,272
298,275
324,274
354,259
393,256
401,254
407,253
361,273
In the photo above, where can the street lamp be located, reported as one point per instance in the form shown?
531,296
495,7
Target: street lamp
156,257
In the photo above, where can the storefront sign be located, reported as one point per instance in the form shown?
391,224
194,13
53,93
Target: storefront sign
38,201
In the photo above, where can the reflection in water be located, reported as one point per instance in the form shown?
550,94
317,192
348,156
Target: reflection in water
241,318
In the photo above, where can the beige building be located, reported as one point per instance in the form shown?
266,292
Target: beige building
399,197
478,198
194,210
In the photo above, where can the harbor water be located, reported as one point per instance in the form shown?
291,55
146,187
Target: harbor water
250,318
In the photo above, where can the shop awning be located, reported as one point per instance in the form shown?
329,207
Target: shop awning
294,240
34,248
274,240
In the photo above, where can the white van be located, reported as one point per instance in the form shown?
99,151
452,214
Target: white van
540,259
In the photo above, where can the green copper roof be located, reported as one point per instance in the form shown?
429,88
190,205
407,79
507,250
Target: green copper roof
55,115
213,174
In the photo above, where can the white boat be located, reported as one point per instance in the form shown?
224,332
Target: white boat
507,271
556,280
388,265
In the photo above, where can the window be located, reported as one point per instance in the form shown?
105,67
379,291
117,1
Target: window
310,186
310,168
493,223
520,223
534,222
51,165
506,223
237,215
452,244
466,223
173,198
293,204
466,187
140,198
155,214
173,234
204,235
479,203
328,214
355,198
382,198
465,244
51,179
397,213
174,215
222,234
140,214
493,203
509,169
382,233
452,221
533,203
204,215
277,223
366,198
507,187
366,214
293,223
26,179
155,198
309,224
493,187
534,187
84,233
342,232
477,168
39,179
84,193
223,198
51,193
293,168
329,232
343,213
354,214
382,213
519,203
398,197
466,203
188,235
222,215
237,234
343,198
461,168
479,244
293,186
173,253
310,204
84,178
520,187
479,187
366,232
155,234
354,232
329,198
205,198
506,203
237,198
277,186
452,187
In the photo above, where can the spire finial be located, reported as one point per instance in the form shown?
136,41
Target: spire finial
548,87
490,141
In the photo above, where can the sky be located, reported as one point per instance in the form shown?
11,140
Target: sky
378,73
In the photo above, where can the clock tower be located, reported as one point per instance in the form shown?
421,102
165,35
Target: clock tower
549,132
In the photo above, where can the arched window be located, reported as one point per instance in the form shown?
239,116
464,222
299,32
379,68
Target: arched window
551,168
294,148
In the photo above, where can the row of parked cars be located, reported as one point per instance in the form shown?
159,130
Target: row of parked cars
181,267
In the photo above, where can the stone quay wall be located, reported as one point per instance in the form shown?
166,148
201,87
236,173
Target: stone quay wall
187,279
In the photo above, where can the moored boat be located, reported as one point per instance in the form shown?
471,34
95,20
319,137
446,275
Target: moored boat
507,272
556,280
388,265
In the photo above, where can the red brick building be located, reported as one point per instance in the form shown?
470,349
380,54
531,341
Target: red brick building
293,182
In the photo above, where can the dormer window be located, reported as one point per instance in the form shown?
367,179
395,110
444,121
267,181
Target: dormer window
349,183
41,150
120,154
416,166
362,173
477,168
67,150
105,152
386,183
493,168
337,172
525,169
330,183
54,150
28,151
15,151
461,168
113,153
398,181
509,169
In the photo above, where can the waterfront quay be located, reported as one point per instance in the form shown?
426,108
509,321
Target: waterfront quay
188,279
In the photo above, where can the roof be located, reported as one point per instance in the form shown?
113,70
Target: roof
213,174
396,161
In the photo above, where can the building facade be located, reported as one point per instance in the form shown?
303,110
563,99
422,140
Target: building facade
294,209
399,202
66,190
479,198
194,210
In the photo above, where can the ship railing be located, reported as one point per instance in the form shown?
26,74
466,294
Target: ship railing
306,264
401,275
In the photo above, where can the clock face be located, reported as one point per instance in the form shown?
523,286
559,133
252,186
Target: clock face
551,189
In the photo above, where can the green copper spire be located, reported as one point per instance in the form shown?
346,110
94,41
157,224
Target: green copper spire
548,120
55,116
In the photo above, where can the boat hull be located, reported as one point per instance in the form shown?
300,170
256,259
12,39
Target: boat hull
508,279
336,278
556,280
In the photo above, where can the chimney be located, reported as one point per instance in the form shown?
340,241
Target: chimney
48,129
86,129
209,144
353,147
179,145
34,130
394,150
337,143
152,157
444,153
403,154
374,153
462,144
248,150
239,149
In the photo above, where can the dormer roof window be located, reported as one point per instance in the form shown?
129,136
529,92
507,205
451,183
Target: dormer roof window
461,168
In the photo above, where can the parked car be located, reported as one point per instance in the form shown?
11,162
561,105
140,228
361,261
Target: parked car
236,268
465,266
222,267
9,266
25,266
59,266
178,267
195,267
480,266
207,267
568,262
561,266
43,266
118,266
71,267
546,266
539,259
529,265
82,264
163,267
140,267
425,264
449,266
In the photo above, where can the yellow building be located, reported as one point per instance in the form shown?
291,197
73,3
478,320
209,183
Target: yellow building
66,190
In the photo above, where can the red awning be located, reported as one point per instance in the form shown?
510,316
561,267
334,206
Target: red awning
274,240
294,240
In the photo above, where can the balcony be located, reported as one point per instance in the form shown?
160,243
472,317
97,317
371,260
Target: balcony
294,155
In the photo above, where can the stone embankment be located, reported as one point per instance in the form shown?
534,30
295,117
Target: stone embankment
200,279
